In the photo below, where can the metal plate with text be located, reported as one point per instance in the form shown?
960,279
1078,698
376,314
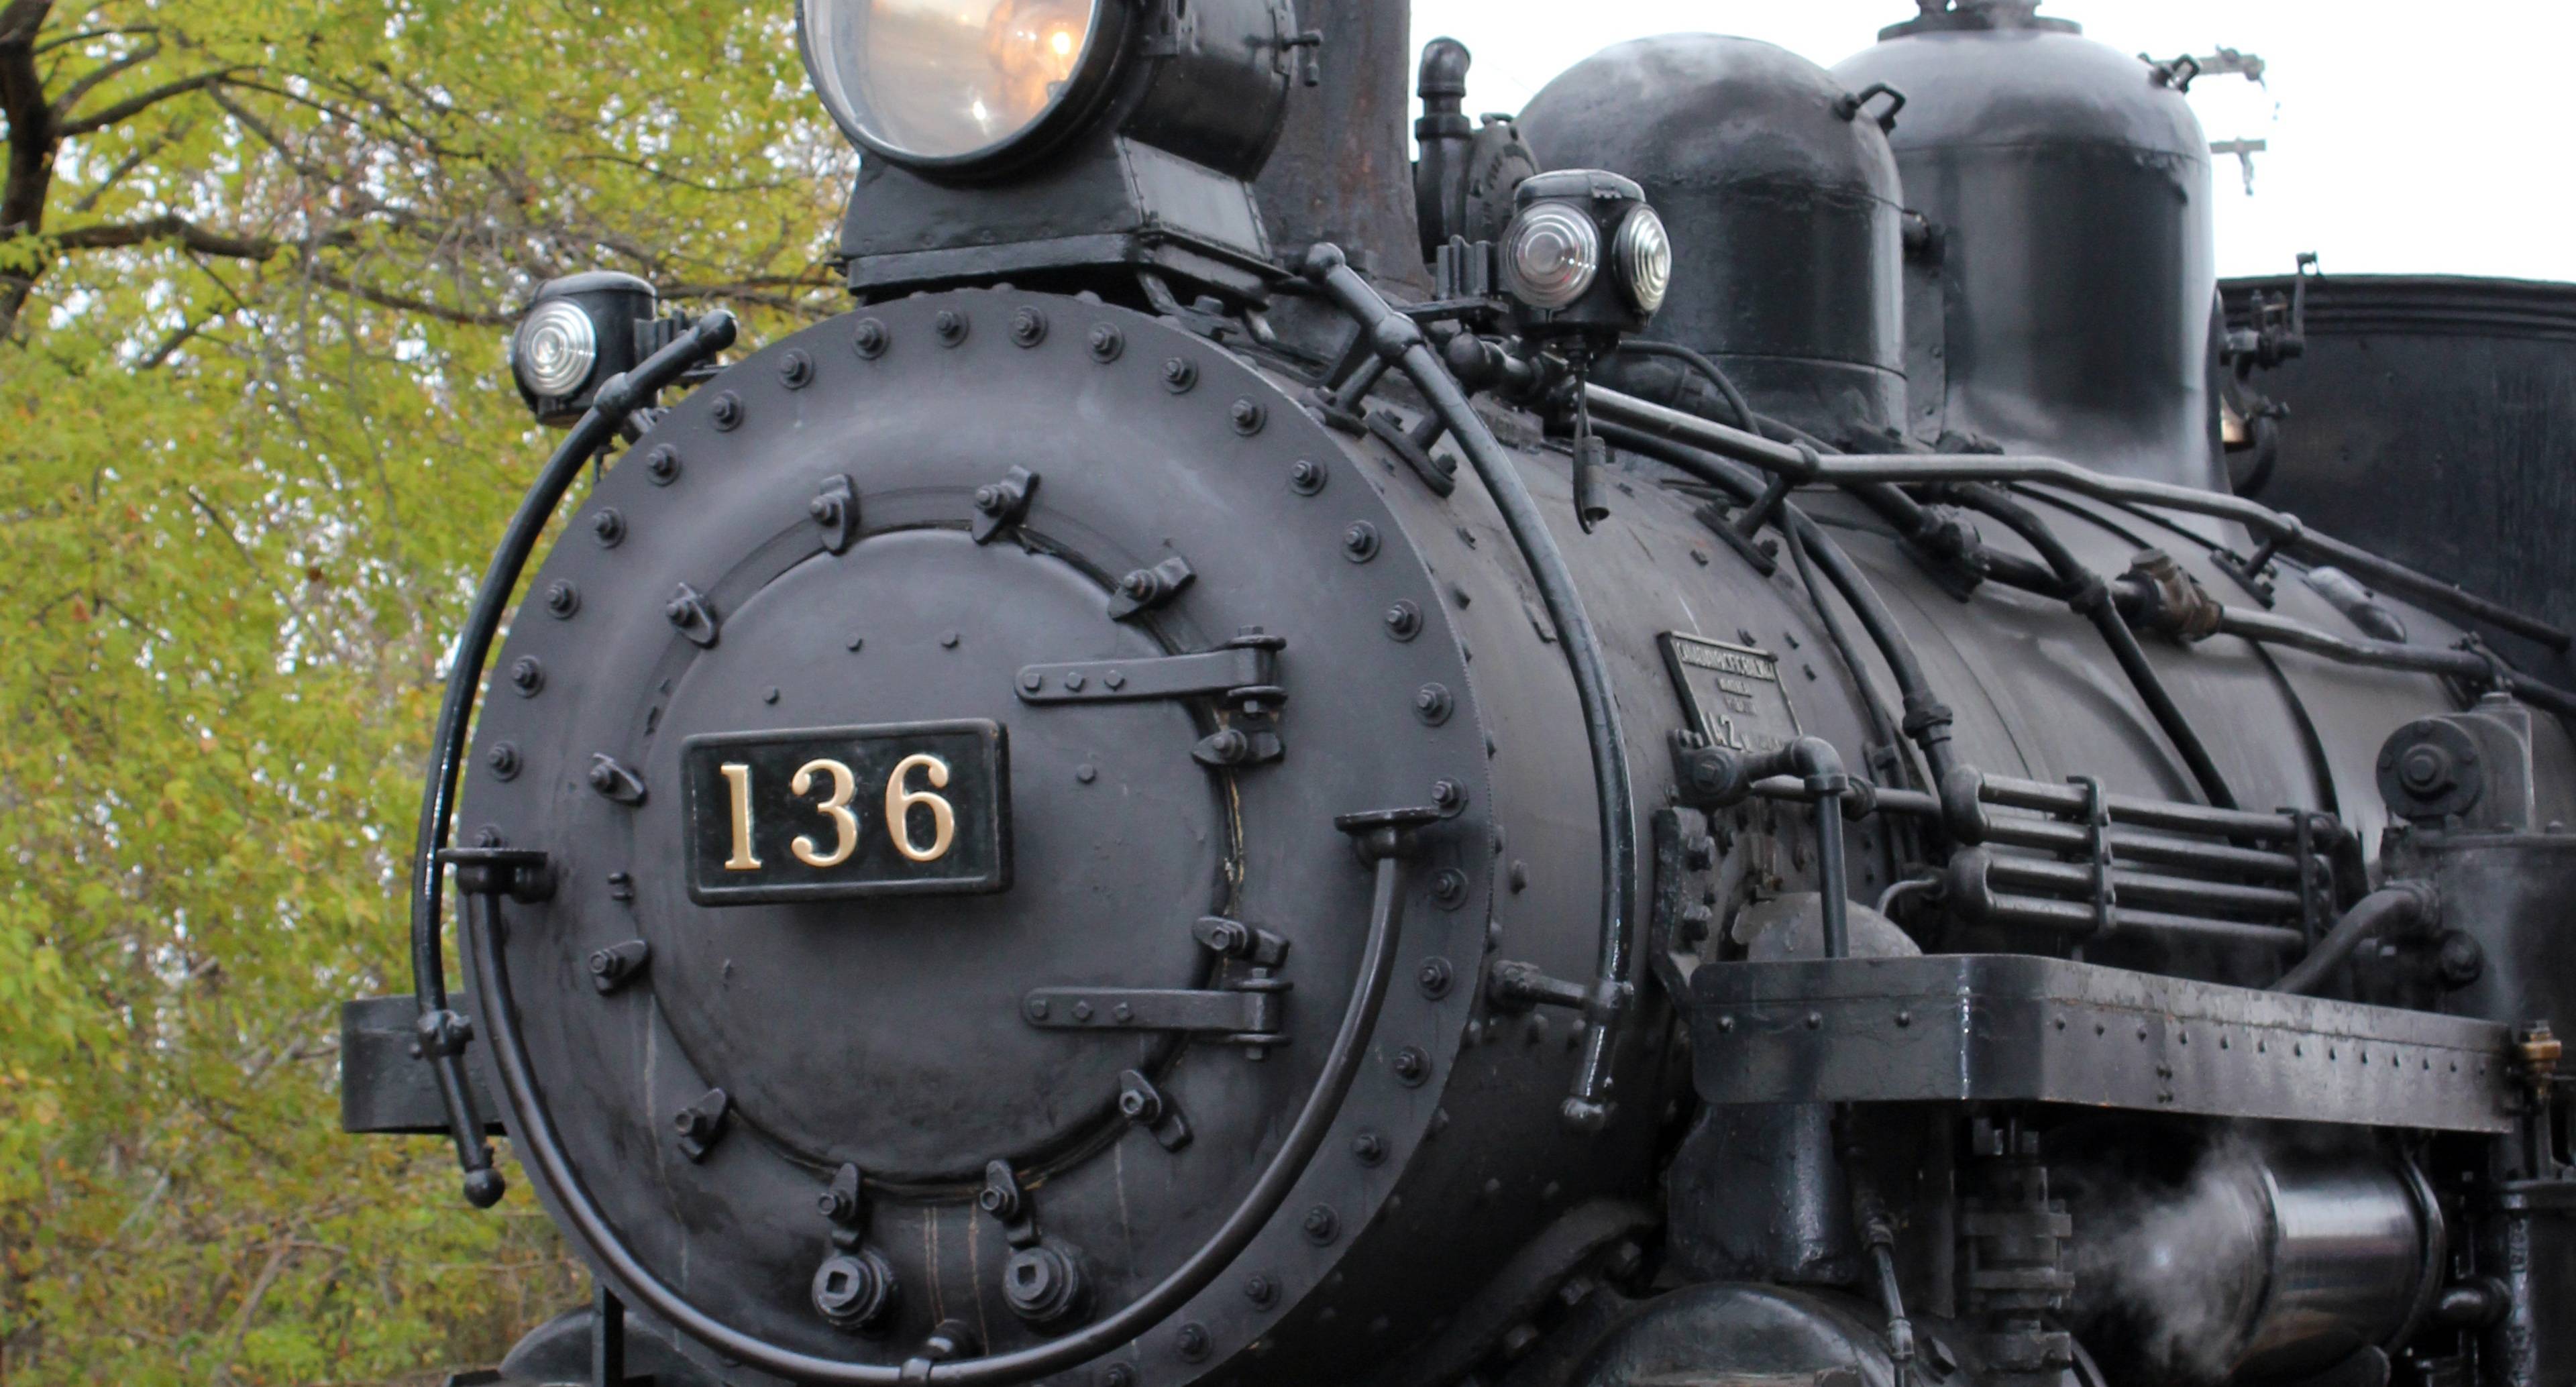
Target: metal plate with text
839,813
1732,692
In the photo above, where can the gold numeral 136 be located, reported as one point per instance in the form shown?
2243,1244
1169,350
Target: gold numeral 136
900,801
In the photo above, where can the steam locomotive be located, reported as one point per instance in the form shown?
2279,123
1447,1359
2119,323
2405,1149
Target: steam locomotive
1652,749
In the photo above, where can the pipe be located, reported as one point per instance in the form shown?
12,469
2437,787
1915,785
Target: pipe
2093,602
1927,720
621,396
1400,340
2397,906
2267,524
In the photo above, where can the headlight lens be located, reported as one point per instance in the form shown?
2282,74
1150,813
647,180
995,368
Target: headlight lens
1644,255
555,349
944,81
1551,256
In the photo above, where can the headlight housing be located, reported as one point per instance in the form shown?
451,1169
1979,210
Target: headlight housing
959,85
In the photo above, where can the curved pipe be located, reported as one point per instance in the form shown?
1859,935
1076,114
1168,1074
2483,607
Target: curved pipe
1399,340
1927,720
2397,906
2092,600
532,1128
441,1032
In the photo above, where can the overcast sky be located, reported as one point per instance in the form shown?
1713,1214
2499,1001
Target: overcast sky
2404,138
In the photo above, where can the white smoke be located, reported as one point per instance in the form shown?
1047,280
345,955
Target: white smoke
2173,1275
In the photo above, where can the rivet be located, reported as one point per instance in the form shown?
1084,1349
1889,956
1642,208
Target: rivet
663,467
1815,1020
1086,774
1449,796
1261,1291
728,411
608,527
1118,1375
1412,1067
770,697
1114,681
1403,621
1306,477
1038,1007
489,836
869,339
1520,877
563,600
1369,1149
796,370
1082,1011
528,676
621,886
1434,977
949,641
949,327
1432,704
1180,375
1248,417
856,642
1032,681
1191,1342
1322,1225
1122,1013
1449,888
1360,542
1904,1019
504,760
1072,682
1107,344
1028,327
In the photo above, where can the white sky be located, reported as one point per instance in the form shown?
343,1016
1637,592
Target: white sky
2405,138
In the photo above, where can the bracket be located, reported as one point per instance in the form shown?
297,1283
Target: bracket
836,509
695,616
1150,589
1143,1104
1002,503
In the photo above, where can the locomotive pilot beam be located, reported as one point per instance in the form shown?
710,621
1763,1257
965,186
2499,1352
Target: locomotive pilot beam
1652,753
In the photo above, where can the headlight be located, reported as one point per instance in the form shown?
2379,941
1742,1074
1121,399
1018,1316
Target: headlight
1551,256
953,83
1644,255
554,350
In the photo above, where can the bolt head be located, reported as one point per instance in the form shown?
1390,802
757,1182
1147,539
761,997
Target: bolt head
1028,327
1306,477
1107,343
563,599
869,339
988,499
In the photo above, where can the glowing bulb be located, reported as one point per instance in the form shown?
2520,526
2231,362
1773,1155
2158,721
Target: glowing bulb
1062,43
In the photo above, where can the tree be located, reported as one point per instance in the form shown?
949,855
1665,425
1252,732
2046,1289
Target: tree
256,436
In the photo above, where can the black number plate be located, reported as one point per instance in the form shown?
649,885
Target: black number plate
834,813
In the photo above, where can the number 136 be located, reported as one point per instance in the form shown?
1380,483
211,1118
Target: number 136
839,785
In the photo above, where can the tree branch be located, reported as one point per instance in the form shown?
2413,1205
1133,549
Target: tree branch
173,227
463,317
103,73
140,102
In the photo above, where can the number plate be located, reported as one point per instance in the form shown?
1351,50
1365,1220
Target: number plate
843,812
1733,692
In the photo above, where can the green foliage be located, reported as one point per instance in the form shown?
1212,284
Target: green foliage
256,437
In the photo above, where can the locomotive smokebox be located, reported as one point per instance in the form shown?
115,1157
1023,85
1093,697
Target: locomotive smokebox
1783,203
2069,186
